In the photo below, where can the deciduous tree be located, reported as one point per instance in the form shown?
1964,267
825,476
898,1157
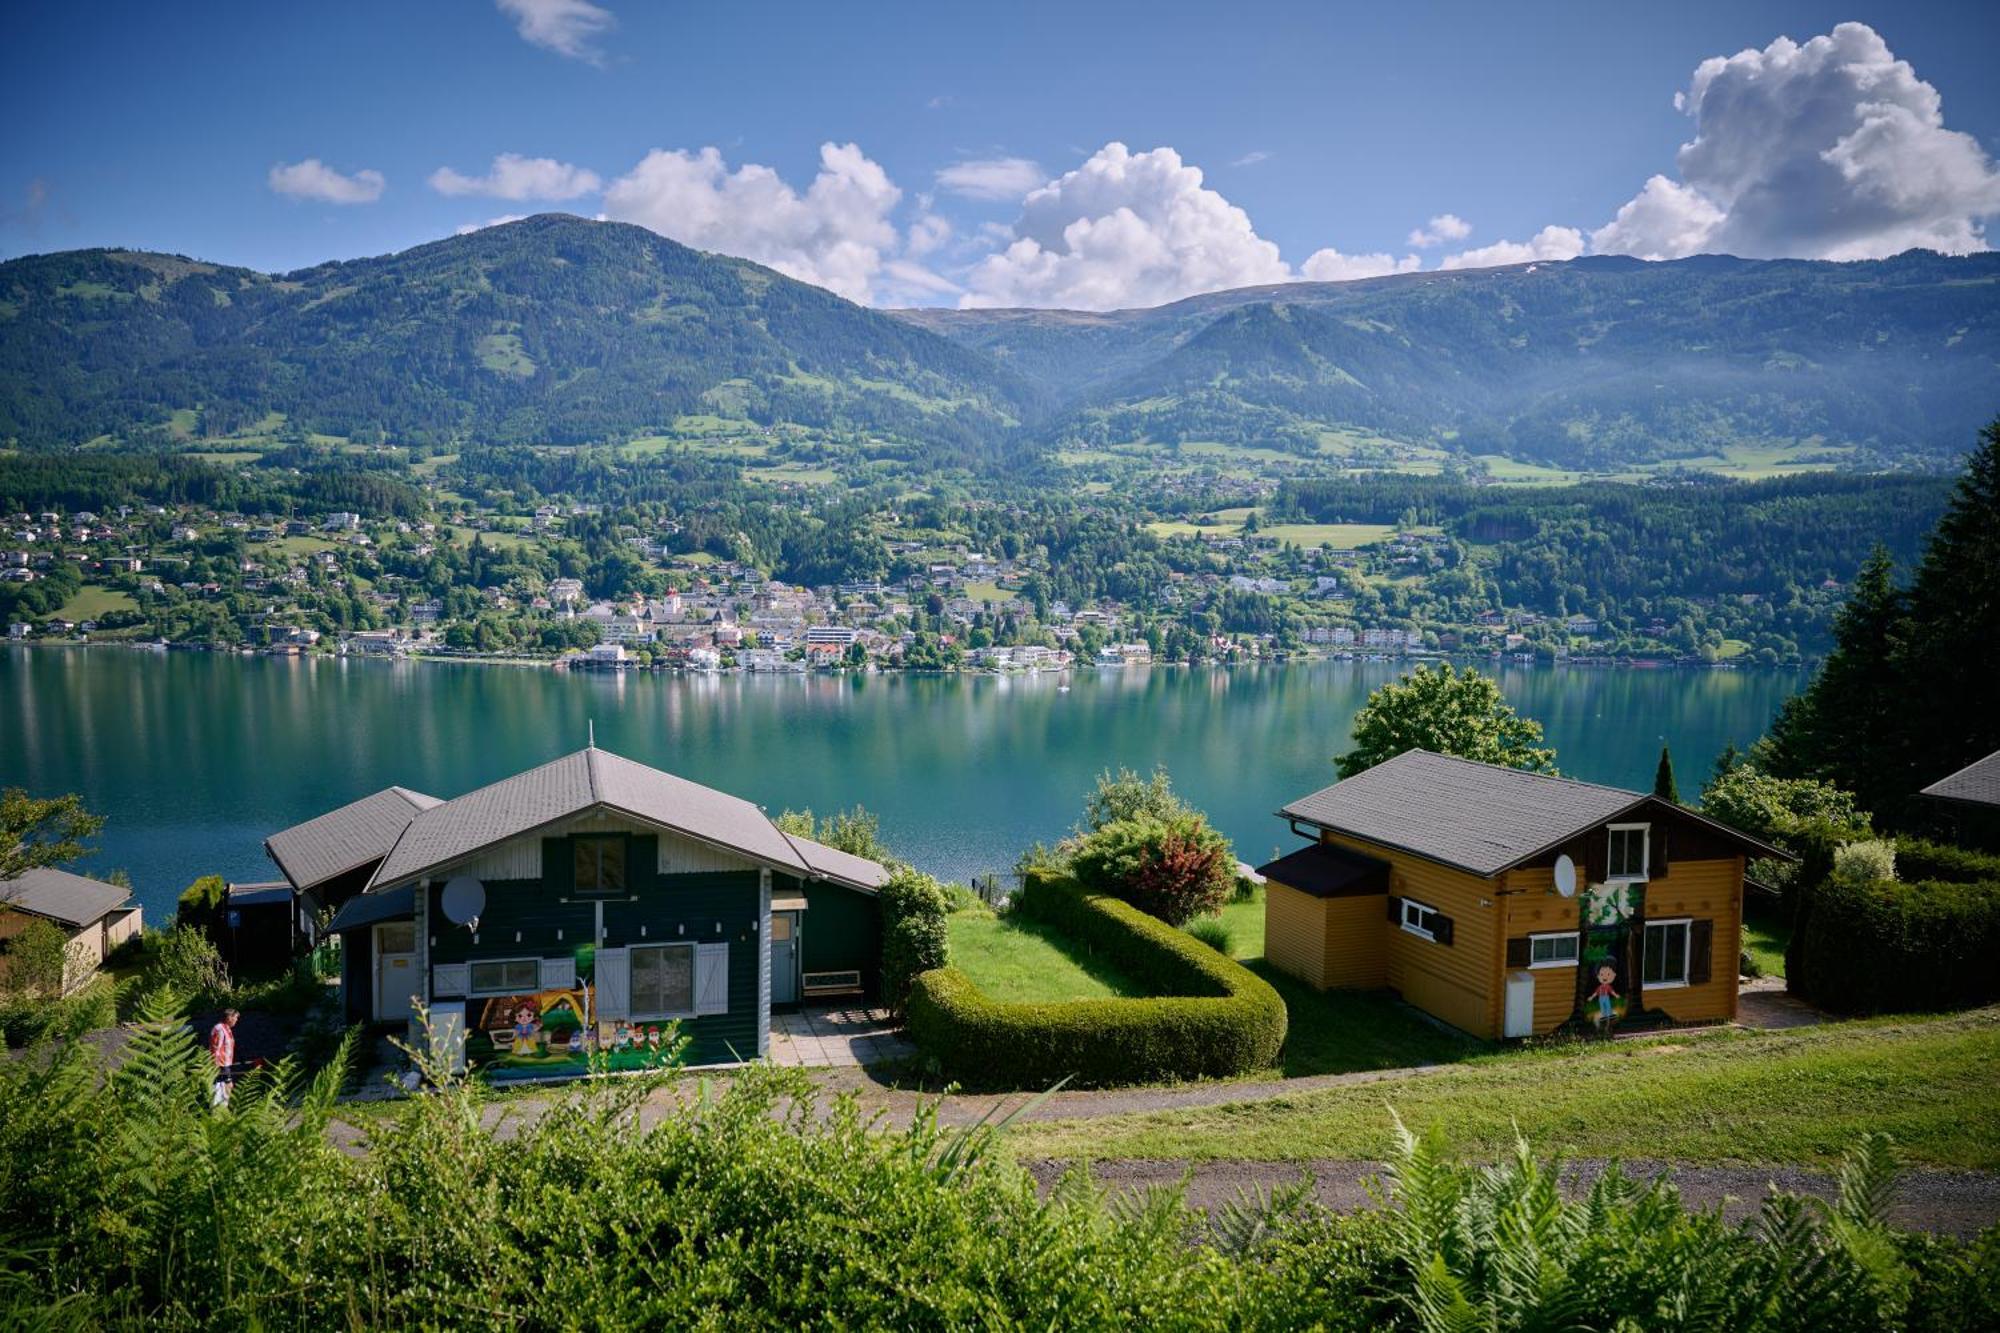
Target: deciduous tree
1448,711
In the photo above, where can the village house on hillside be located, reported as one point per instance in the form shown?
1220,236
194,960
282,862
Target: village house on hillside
581,905
1510,904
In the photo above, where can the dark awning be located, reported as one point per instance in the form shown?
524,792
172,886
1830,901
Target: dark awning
1329,872
368,908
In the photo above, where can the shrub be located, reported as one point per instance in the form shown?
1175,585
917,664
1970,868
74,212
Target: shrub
25,1020
1172,869
916,931
35,960
1884,946
201,902
1923,859
1210,931
1129,796
185,961
1207,1017
1866,861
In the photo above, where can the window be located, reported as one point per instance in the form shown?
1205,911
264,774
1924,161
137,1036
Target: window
1628,852
396,937
663,981
600,867
1552,950
1420,919
506,976
1667,953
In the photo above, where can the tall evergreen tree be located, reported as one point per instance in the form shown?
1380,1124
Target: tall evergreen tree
1664,785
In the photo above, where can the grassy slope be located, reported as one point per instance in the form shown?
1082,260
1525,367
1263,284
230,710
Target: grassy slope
1799,1096
92,601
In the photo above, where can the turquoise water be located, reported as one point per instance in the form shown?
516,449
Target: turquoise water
194,758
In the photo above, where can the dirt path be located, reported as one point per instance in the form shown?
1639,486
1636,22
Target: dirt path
1958,1203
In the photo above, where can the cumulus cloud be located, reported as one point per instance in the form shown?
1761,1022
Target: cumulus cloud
929,231
1329,265
1005,178
1833,149
837,234
468,228
1124,229
567,27
515,177
314,179
1548,243
1440,229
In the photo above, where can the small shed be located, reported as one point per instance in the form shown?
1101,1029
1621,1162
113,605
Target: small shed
94,916
1323,907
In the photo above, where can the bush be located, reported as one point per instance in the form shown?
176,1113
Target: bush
1866,861
1207,1017
1173,869
35,960
916,931
1923,859
185,961
1884,946
1210,931
25,1020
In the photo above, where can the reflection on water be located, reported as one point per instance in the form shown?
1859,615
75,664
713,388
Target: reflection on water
196,758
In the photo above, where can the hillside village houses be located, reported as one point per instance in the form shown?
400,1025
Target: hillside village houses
343,582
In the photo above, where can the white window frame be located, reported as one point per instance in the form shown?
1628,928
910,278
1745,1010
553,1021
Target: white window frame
1645,832
474,963
1574,948
1423,911
694,982
1686,923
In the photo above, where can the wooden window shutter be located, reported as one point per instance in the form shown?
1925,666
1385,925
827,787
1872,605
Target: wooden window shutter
1395,910
711,979
1701,950
1441,929
1597,855
1520,952
558,867
612,969
1656,857
642,862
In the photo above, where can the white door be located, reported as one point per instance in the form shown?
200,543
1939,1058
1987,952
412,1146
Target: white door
398,985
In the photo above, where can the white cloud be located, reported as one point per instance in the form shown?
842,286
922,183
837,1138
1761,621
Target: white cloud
1252,158
515,177
1329,265
1004,178
837,234
314,179
468,228
1444,227
567,27
1833,149
1548,243
1124,229
929,232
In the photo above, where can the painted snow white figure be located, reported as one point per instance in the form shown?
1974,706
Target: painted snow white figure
1605,995
525,1030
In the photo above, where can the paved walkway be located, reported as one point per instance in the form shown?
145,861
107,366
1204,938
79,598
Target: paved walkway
1765,1003
834,1037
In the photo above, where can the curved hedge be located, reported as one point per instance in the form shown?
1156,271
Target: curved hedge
1215,1018
1888,946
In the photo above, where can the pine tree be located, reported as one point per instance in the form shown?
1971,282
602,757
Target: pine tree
1664,785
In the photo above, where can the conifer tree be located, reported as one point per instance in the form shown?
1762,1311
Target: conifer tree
1664,785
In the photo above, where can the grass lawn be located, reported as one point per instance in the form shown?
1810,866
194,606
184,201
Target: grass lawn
1017,960
92,602
1798,1096
1765,935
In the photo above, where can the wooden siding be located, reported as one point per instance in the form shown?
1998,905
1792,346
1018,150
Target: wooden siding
1457,982
521,858
1533,907
1704,891
1356,927
1295,935
841,928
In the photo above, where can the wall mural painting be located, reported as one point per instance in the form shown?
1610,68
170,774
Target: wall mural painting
556,1033
1613,934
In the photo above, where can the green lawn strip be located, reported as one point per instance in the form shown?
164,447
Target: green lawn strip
1765,935
92,601
1017,960
1800,1096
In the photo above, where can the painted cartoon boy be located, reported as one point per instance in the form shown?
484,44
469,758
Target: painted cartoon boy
1604,994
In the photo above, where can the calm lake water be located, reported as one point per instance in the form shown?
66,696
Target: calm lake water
194,758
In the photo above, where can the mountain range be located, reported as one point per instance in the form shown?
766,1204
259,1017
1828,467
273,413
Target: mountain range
560,330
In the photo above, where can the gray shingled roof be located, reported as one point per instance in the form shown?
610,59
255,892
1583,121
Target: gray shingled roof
342,840
1978,783
1478,817
844,867
60,896
571,785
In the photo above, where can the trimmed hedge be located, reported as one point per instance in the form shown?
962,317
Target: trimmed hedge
1891,946
1919,858
1212,1018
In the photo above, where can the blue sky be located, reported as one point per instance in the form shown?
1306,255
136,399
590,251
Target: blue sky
890,151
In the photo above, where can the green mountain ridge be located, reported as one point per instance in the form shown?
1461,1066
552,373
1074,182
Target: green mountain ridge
558,330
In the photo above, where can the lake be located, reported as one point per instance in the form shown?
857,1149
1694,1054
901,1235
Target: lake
195,758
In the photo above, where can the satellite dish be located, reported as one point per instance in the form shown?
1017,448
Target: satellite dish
1565,879
464,899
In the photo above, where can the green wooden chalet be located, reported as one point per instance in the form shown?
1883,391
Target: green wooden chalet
580,906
